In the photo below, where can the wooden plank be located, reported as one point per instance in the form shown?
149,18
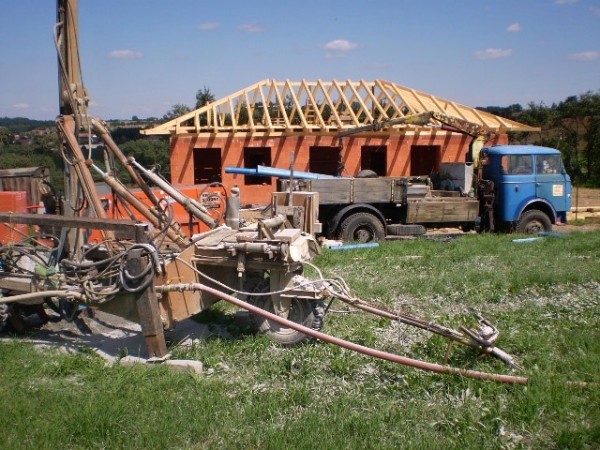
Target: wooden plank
92,223
333,191
442,210
372,190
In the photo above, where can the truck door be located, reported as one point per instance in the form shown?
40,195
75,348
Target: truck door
515,186
551,181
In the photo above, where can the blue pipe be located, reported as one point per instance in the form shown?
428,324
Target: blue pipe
285,173
264,171
240,170
526,240
355,246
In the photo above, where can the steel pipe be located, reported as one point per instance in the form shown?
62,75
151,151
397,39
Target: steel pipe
41,294
346,344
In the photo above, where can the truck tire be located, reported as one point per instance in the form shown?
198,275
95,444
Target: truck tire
362,227
3,316
406,230
533,221
366,173
305,312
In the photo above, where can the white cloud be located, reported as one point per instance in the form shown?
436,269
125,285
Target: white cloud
21,106
251,28
340,45
514,28
564,2
209,26
493,53
125,54
585,56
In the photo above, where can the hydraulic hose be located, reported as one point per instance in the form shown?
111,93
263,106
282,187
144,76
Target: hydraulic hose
343,343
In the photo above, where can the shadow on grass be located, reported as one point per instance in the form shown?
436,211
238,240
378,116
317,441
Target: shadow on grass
229,325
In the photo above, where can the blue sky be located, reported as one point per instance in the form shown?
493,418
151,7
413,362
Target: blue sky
140,57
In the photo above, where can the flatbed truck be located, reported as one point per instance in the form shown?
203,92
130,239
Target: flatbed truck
511,188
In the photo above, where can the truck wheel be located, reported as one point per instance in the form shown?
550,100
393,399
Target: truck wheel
366,173
362,227
302,311
533,221
3,315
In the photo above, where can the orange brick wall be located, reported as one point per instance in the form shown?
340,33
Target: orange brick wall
453,149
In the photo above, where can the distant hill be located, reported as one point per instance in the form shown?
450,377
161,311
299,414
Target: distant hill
22,124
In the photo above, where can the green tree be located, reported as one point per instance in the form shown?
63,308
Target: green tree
18,156
47,143
6,137
578,121
203,97
176,111
537,114
149,153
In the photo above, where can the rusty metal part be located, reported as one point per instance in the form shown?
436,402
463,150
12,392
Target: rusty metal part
449,123
459,125
127,227
346,344
474,340
486,195
100,128
486,335
151,216
66,125
73,95
192,206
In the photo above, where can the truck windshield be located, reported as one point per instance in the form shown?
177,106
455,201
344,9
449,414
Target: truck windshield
517,164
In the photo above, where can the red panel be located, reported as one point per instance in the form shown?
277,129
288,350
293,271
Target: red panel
13,201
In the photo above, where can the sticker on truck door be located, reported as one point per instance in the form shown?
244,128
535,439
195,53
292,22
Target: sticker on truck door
558,190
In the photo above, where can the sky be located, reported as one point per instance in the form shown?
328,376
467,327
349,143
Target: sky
140,57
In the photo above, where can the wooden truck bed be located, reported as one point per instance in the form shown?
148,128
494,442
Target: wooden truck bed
364,190
423,205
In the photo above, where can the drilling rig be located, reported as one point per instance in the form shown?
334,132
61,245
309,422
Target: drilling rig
151,272
147,271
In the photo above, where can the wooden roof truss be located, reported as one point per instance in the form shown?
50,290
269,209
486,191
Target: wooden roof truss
272,106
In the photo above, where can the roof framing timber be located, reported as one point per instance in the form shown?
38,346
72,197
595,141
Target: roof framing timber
317,107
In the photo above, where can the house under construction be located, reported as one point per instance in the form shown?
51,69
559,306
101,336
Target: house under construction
272,121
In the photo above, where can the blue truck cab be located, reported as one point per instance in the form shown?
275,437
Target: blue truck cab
531,189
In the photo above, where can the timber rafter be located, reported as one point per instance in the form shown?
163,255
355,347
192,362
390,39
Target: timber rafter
317,107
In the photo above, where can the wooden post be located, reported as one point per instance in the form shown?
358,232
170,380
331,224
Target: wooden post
147,302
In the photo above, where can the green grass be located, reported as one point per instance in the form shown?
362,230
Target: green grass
543,296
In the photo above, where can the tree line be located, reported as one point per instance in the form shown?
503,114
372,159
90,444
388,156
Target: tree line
572,126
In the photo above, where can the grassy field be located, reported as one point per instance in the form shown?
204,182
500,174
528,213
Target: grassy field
544,297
